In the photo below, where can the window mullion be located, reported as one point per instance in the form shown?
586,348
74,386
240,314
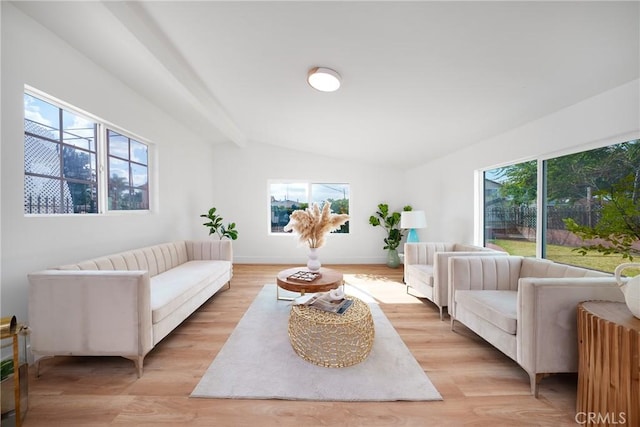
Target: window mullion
60,162
541,216
103,171
130,168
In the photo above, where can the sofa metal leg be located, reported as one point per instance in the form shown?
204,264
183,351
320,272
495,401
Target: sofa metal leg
416,296
138,362
535,382
452,321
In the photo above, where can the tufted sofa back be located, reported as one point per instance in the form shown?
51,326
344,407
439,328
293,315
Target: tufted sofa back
154,259
535,267
424,252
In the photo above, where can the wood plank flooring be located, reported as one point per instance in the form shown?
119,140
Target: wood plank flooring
480,385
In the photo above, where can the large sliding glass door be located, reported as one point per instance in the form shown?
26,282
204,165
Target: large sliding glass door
590,203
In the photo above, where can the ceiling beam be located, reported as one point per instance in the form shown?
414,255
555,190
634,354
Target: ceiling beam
134,18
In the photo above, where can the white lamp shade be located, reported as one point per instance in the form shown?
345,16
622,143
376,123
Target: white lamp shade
413,219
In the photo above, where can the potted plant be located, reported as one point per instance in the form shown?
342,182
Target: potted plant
390,221
312,226
215,225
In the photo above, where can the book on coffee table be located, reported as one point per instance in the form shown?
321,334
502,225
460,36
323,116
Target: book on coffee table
323,301
303,276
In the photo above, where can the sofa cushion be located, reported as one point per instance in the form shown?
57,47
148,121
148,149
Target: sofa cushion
171,289
421,272
496,307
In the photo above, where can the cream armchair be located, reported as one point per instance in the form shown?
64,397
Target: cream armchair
426,268
526,307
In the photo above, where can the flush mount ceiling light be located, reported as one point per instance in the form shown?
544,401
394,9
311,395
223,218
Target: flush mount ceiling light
323,79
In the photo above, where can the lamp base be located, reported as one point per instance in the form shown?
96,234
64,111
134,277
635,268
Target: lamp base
412,237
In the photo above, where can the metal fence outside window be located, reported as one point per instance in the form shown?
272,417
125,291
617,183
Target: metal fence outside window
52,205
513,218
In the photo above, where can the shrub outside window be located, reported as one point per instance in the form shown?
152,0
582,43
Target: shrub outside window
592,202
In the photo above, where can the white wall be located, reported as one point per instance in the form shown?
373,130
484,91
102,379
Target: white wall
241,196
193,176
31,55
446,186
2,312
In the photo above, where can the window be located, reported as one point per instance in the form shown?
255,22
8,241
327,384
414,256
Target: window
286,197
593,200
590,207
510,208
63,152
60,160
128,173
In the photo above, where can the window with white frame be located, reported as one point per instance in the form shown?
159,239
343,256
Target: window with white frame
128,172
65,148
288,196
590,201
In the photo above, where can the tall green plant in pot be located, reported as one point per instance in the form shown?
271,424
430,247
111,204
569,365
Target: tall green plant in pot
215,225
390,221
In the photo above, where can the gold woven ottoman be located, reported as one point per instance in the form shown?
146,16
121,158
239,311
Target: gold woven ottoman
332,340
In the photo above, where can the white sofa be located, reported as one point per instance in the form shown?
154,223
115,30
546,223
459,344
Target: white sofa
124,304
526,307
426,268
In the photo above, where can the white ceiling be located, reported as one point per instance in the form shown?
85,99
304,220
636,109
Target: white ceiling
421,79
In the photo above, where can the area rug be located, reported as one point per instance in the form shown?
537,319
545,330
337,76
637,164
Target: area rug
257,362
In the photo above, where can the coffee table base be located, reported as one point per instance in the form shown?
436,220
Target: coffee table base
279,298
332,340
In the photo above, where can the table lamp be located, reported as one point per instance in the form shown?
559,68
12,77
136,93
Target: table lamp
413,220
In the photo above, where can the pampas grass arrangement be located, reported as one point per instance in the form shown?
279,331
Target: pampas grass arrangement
313,224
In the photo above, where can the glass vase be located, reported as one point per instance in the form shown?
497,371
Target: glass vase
393,259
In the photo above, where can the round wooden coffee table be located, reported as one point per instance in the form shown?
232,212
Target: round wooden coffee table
330,279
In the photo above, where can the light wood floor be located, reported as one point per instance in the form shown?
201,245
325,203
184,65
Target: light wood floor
480,386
